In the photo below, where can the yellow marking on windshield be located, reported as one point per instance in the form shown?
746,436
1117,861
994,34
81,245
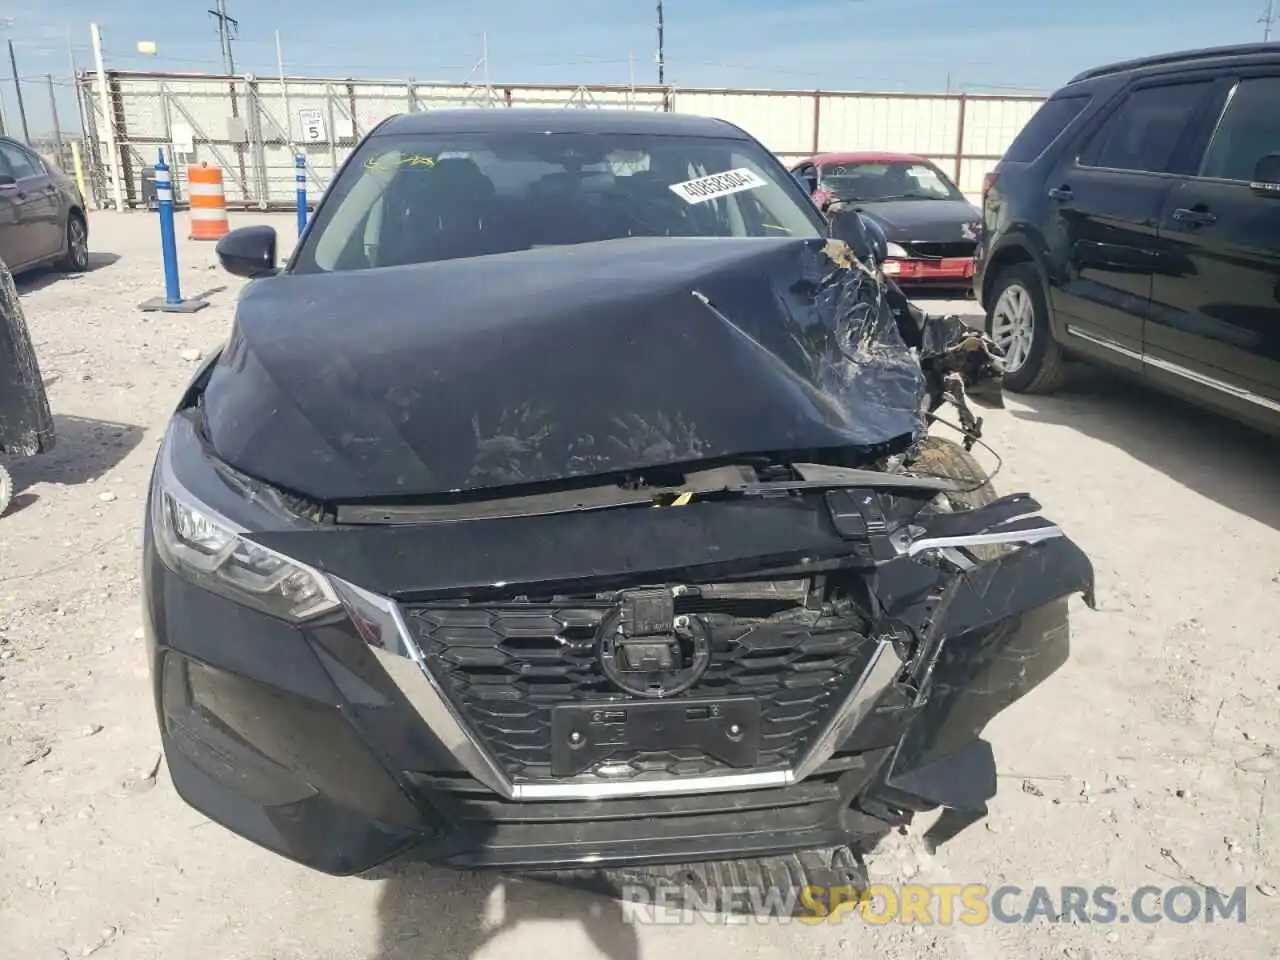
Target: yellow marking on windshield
408,160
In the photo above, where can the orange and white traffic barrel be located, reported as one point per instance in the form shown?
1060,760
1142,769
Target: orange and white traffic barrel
208,203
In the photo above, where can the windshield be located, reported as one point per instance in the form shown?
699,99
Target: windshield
415,198
888,180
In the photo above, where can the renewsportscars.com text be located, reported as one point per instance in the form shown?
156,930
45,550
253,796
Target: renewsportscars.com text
938,903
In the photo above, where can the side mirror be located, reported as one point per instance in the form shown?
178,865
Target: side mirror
879,244
863,235
248,252
7,181
1266,175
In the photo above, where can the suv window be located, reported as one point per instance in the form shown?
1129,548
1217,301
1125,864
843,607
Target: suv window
18,163
1144,131
1044,127
1248,131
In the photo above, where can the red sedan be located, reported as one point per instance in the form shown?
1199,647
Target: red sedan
931,229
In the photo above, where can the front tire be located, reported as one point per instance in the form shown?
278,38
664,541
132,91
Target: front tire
945,459
1018,322
940,457
76,259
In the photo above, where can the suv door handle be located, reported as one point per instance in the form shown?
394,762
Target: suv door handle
1061,193
1194,218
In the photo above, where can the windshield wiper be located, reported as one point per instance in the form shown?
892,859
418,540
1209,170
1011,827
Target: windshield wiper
732,480
903,196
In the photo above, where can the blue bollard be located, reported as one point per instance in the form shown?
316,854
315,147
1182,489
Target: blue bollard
168,240
300,178
172,301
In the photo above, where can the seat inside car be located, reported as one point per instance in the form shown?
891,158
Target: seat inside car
574,206
440,212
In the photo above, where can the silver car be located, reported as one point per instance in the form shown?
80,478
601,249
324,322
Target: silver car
42,214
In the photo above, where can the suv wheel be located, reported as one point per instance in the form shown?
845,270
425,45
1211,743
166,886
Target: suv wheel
1019,324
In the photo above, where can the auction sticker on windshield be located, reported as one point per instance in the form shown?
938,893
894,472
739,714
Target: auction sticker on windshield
717,185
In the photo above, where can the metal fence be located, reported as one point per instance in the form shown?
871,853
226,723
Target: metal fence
57,150
252,127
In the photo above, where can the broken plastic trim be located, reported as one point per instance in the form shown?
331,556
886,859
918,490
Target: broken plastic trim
730,480
1047,532
381,625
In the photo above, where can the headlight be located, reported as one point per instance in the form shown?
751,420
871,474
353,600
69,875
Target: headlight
206,549
897,252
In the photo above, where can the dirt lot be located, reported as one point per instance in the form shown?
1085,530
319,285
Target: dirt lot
1150,759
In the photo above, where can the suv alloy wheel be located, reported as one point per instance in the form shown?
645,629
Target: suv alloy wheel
1018,321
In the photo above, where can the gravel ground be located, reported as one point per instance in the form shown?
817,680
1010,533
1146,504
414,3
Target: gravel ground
1149,759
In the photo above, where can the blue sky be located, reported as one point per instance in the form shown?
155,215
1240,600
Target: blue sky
915,45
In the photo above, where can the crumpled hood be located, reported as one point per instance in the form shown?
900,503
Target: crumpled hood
925,220
556,363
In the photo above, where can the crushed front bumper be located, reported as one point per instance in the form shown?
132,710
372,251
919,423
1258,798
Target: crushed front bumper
341,744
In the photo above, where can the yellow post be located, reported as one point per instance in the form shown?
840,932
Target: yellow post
75,161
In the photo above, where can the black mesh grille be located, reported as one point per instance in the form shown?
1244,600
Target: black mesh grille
935,251
506,666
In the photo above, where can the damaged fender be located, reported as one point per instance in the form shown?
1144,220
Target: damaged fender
988,635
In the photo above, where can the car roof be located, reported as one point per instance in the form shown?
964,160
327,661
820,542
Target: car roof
865,156
1206,56
542,120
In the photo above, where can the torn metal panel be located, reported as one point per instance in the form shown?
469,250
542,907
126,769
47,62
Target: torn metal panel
26,424
549,365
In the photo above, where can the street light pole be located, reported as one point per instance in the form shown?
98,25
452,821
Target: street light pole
108,117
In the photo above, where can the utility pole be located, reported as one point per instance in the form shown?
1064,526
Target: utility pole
662,65
5,23
226,27
57,124
1267,19
284,94
17,89
75,80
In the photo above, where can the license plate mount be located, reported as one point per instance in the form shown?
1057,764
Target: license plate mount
584,735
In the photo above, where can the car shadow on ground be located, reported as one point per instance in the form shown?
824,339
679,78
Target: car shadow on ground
39,279
429,912
85,449
1213,455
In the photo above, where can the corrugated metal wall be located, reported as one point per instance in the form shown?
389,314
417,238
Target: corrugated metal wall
252,127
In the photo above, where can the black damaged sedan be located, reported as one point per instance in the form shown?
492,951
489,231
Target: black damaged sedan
567,501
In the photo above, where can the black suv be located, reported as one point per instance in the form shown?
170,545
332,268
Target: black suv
1135,222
